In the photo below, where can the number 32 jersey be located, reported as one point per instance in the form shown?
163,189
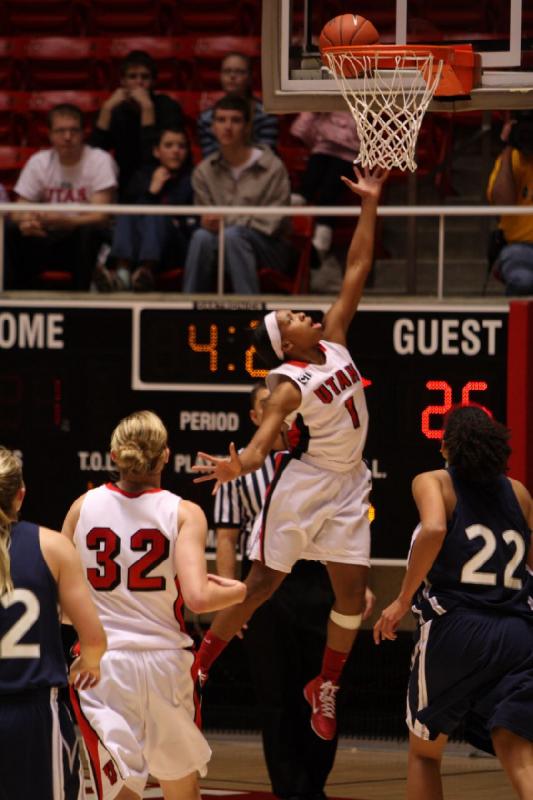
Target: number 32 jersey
126,543
482,562
329,428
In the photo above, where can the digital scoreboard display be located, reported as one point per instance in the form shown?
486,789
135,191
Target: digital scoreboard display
69,371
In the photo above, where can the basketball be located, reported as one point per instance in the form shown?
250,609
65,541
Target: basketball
347,29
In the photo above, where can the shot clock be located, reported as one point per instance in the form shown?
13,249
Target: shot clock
69,371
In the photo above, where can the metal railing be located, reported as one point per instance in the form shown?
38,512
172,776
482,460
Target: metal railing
440,212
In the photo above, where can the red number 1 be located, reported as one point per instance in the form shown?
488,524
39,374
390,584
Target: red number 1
352,411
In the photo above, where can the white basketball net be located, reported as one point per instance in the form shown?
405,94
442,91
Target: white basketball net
388,105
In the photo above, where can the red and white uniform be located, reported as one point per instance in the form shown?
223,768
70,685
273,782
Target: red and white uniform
329,428
140,717
317,506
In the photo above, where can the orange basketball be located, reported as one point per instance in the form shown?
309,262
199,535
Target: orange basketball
347,29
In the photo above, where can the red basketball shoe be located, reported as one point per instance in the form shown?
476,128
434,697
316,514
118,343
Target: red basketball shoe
321,696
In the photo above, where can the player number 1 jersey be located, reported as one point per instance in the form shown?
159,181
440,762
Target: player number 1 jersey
329,427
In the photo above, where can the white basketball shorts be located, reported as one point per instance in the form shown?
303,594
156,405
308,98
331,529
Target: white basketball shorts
315,514
140,719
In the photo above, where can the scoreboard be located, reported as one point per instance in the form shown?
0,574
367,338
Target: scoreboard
69,370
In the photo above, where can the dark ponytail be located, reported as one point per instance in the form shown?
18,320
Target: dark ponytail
478,446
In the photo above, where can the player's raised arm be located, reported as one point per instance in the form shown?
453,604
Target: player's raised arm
360,254
427,492
201,592
284,399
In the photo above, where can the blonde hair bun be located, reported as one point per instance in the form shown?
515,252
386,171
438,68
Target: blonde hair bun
138,442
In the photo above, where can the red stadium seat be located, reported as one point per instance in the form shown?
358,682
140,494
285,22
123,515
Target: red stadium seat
170,280
219,46
274,282
13,117
55,279
214,16
111,17
9,60
12,159
61,62
41,16
40,103
295,160
210,50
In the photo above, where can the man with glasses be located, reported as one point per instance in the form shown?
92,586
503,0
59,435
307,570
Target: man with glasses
69,172
236,81
132,115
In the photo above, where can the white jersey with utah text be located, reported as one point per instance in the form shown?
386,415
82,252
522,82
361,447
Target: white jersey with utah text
126,543
329,428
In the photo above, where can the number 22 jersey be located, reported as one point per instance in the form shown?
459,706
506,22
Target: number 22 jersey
126,543
482,561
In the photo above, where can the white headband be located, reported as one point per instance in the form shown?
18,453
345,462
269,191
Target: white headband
271,324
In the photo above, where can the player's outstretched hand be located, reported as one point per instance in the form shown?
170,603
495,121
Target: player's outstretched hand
219,469
81,676
385,627
367,183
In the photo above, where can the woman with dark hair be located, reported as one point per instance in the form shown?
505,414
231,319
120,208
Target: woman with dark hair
468,574
317,504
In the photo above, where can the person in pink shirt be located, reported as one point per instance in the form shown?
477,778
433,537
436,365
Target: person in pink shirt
334,144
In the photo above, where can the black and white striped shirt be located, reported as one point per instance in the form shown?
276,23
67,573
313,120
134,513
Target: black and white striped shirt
238,502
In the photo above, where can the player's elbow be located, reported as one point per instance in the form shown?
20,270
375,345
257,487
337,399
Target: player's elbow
433,530
196,601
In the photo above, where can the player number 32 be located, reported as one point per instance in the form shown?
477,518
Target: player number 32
107,575
472,571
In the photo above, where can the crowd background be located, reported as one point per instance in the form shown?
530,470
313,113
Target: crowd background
76,53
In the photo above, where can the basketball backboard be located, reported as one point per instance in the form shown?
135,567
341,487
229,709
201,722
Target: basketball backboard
501,31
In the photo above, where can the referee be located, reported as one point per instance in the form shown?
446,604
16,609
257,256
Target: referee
285,637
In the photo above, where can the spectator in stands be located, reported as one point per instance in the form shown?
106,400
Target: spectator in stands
511,183
130,118
238,174
236,81
69,172
334,144
143,244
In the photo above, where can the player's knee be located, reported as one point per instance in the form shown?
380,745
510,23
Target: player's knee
426,750
351,601
260,587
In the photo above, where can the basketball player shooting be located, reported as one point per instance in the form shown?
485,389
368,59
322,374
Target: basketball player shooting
317,504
